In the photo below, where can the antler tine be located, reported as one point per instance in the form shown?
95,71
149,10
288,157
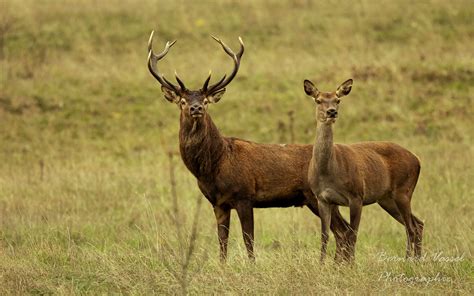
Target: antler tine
224,46
204,87
217,83
165,51
227,48
170,83
153,61
180,82
235,57
242,48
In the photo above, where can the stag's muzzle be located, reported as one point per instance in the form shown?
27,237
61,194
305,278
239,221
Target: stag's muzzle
196,110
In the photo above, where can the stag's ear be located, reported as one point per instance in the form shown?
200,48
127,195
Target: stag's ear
170,95
344,89
310,89
215,97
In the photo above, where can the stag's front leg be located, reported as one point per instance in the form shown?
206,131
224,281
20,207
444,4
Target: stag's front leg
223,222
325,212
245,212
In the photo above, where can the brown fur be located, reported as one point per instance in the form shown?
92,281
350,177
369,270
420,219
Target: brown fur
233,173
360,174
242,175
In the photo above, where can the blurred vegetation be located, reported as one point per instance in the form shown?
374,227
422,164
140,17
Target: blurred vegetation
84,134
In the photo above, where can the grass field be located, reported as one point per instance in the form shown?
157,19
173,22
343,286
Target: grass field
86,191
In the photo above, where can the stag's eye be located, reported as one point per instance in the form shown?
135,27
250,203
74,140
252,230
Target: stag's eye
183,102
206,102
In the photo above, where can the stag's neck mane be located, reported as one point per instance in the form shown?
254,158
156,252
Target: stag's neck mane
323,149
201,146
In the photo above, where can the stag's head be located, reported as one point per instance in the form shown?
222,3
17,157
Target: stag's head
192,103
327,102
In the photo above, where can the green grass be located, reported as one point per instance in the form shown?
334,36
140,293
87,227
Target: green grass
85,194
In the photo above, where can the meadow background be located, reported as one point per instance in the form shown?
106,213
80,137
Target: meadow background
89,194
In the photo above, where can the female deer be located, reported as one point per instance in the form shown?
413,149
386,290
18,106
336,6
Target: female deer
360,174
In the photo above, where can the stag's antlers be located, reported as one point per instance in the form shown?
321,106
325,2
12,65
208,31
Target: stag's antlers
153,62
154,58
224,82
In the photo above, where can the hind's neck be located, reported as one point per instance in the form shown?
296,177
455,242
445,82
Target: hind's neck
323,147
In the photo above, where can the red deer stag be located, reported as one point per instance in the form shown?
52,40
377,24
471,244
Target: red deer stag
360,174
234,173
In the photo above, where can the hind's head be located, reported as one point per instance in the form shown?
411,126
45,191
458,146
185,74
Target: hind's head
327,103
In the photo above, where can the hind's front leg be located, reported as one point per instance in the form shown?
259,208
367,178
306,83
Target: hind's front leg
339,227
325,212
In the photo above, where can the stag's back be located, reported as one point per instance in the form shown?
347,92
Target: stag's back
271,175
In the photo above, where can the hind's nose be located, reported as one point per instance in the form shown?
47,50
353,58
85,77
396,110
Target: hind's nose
331,112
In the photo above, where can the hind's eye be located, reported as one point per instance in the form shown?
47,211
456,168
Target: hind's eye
338,101
318,101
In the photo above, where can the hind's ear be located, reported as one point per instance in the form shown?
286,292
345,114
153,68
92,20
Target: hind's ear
310,89
170,95
344,89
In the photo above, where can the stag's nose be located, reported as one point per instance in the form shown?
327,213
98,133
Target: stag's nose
196,109
332,113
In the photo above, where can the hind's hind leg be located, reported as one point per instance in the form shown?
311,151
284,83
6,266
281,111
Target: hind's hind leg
403,204
390,207
419,225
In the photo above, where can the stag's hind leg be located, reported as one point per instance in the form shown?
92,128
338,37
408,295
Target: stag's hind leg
223,222
340,227
355,210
